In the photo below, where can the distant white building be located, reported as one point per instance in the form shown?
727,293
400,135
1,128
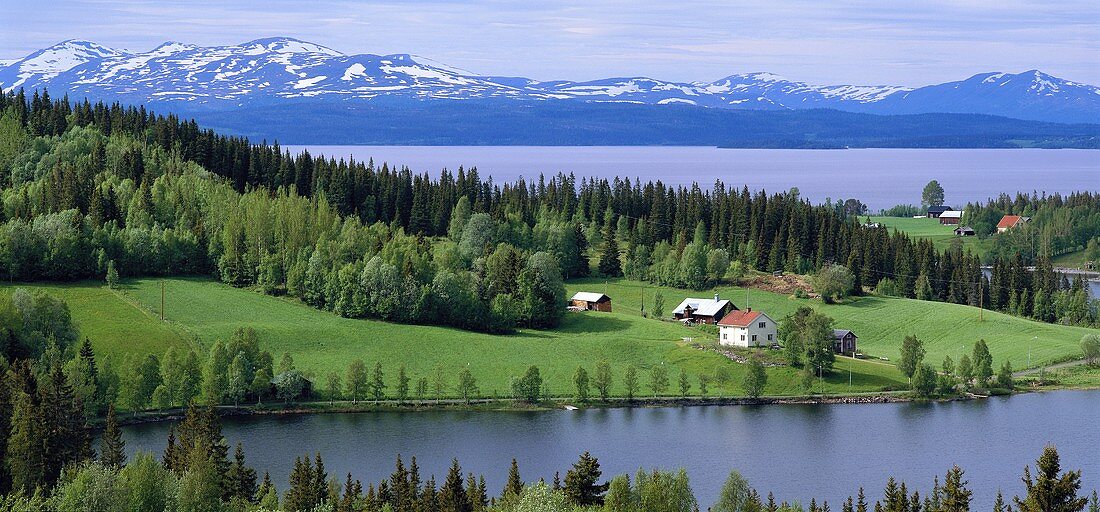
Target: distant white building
747,328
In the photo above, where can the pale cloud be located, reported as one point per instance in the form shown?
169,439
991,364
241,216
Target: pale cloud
843,41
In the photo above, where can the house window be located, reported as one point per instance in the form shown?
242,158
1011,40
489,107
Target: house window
761,325
742,337
753,337
725,336
769,337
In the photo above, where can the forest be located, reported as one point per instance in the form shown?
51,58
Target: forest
97,190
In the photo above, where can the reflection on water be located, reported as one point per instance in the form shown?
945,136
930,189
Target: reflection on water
797,451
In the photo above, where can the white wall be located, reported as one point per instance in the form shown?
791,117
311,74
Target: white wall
765,336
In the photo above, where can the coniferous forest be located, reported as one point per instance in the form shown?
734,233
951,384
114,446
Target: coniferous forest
107,192
98,189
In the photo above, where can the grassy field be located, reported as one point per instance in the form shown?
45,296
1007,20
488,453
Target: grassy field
1077,377
881,323
940,235
114,323
1075,259
320,342
201,311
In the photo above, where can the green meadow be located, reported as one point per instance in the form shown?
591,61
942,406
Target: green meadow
200,311
127,321
883,322
940,234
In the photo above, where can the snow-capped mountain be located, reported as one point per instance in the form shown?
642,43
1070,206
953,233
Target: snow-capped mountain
281,69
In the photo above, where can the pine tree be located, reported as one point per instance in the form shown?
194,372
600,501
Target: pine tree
956,497
513,486
300,494
582,487
377,385
610,265
1051,490
241,477
319,487
452,496
25,464
112,447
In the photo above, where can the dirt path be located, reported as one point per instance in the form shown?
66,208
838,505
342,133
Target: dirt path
1032,371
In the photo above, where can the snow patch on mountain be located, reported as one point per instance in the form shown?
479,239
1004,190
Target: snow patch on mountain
282,68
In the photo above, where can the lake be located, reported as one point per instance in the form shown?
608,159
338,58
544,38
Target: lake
795,451
881,178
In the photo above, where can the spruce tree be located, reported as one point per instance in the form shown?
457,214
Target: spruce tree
582,487
452,496
112,447
1051,490
241,477
25,464
955,495
377,385
513,486
609,265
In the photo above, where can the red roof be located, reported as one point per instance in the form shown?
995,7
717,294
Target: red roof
1008,221
740,318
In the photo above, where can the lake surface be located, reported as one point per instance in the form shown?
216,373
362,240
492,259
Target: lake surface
795,451
881,178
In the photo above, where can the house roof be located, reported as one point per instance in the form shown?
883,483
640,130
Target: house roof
704,307
938,209
964,228
951,214
741,318
1009,221
590,297
840,333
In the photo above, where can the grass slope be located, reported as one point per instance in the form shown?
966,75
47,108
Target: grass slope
882,322
321,342
114,323
940,234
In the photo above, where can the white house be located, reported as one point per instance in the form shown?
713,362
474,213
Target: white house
747,328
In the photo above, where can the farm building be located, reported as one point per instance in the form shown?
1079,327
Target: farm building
934,212
1010,221
951,217
703,311
747,328
590,301
844,341
965,231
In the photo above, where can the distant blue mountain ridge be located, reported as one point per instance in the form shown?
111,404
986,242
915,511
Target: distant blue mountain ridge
297,78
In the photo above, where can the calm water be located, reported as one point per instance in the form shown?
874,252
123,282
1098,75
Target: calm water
798,452
879,177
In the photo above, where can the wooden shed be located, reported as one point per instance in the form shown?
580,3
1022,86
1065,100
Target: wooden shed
844,341
590,301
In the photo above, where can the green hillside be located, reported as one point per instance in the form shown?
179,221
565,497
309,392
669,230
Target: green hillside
113,322
882,322
940,234
320,342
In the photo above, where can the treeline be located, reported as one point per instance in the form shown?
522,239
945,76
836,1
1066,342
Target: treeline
91,184
1059,224
197,473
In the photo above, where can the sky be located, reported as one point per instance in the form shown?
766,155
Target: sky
873,42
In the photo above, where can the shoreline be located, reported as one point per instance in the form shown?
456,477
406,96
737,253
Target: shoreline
511,405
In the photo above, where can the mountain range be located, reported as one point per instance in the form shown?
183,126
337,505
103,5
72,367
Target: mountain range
289,75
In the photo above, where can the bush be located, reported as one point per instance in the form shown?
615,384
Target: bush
833,282
887,288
